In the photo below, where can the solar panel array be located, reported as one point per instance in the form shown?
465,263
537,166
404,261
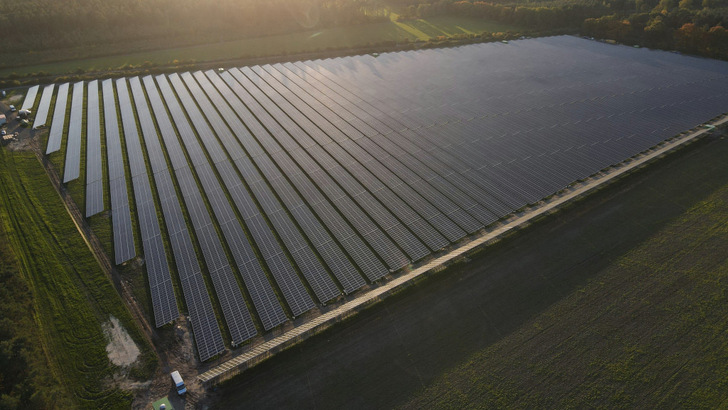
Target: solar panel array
45,104
284,186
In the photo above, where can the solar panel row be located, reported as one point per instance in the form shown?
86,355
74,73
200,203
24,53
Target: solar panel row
509,196
72,165
325,290
94,181
299,174
41,115
394,143
399,162
438,133
29,100
385,140
261,292
325,170
120,212
55,137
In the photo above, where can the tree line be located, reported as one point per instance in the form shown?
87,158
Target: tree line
688,26
692,26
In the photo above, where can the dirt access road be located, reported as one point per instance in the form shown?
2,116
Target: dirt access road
391,351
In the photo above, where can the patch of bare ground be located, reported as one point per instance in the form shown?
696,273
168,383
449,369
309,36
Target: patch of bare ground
122,350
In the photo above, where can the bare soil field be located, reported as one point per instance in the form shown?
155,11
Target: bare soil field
391,353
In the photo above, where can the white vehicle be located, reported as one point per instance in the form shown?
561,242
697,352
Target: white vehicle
179,383
12,108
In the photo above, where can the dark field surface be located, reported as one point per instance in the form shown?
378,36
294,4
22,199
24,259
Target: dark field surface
387,355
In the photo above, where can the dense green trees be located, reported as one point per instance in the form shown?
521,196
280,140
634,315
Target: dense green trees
688,25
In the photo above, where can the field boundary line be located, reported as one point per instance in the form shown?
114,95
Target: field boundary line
267,349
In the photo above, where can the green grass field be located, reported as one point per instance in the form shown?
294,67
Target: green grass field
300,42
649,331
72,296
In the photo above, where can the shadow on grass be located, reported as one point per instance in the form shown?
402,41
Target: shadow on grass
386,354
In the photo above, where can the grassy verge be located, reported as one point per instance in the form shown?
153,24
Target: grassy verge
294,43
71,295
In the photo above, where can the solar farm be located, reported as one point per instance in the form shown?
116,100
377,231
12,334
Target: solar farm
270,190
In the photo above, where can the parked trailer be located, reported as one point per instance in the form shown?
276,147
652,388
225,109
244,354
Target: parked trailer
178,383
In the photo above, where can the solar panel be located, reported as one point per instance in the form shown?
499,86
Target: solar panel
518,170
262,294
356,142
55,136
337,195
72,165
94,183
490,192
45,104
29,100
